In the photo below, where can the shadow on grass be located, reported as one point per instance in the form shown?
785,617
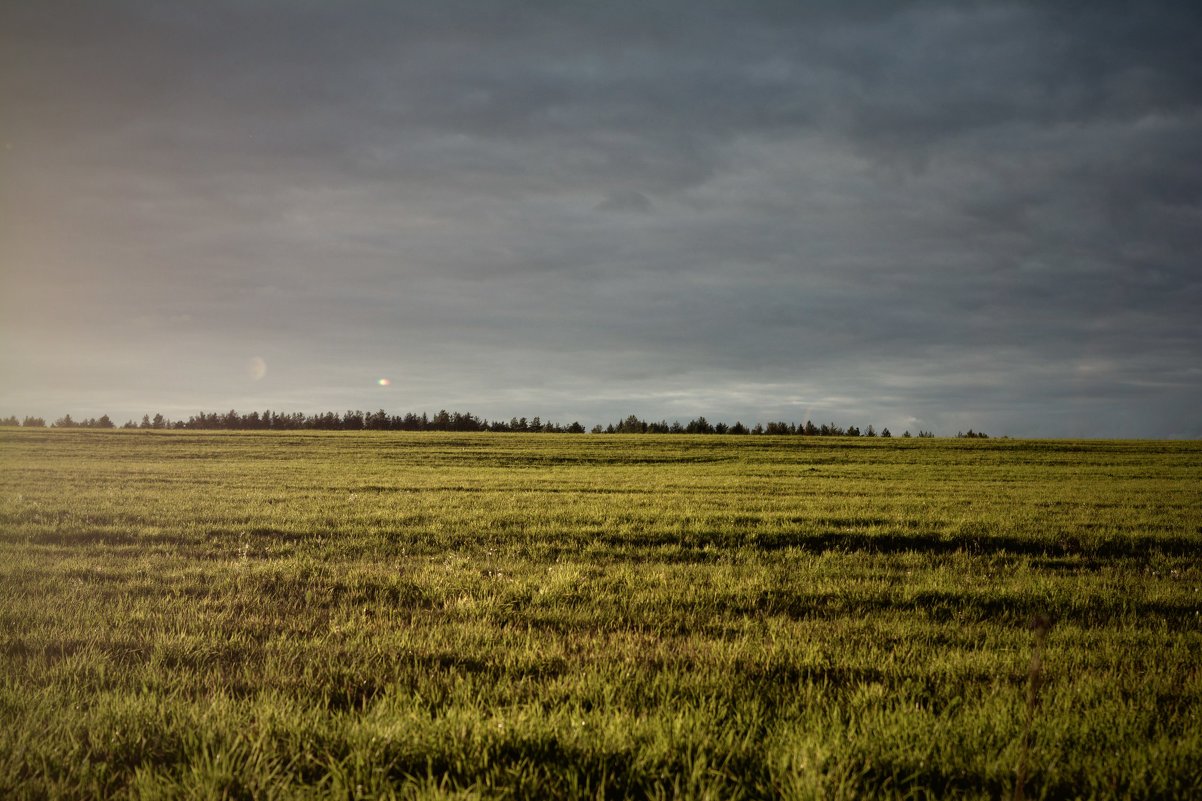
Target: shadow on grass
709,545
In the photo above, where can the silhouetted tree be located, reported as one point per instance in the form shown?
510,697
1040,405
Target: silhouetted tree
631,425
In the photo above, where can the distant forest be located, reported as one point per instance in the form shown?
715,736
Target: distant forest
456,421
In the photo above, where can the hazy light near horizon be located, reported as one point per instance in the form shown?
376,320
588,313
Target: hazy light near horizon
256,368
384,382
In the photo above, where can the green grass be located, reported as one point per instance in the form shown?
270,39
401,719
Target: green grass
209,615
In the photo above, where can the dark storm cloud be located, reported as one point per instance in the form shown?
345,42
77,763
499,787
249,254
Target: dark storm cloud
926,214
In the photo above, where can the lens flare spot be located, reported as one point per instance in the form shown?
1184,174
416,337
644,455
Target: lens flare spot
256,368
384,382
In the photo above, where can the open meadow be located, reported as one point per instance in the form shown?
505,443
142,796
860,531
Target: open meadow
291,615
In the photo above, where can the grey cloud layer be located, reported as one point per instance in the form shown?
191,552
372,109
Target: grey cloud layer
927,212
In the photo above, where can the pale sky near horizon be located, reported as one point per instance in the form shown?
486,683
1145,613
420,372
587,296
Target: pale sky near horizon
935,215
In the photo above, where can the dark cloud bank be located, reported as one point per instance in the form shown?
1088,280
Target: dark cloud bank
920,215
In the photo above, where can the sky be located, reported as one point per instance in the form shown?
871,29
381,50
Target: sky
916,215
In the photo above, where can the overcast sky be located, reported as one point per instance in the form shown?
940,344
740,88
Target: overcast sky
934,215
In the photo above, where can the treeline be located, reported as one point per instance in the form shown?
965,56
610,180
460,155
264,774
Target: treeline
63,422
456,421
633,425
325,421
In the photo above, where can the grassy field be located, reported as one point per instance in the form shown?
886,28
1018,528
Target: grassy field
210,615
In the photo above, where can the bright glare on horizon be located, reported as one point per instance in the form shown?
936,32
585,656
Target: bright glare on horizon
384,382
